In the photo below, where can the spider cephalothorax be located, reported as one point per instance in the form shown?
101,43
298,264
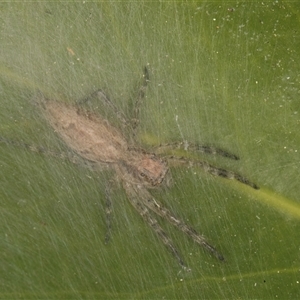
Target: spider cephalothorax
148,168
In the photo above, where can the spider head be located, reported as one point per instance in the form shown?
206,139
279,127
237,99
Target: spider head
144,168
151,169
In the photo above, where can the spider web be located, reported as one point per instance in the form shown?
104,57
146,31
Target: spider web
221,73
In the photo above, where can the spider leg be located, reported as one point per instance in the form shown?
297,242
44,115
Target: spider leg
65,155
106,101
213,170
108,212
157,208
133,196
140,97
41,150
197,148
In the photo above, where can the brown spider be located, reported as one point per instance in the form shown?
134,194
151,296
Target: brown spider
96,141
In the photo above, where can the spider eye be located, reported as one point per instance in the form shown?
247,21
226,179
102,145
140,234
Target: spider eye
142,174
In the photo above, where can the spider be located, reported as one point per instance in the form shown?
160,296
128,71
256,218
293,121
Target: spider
95,140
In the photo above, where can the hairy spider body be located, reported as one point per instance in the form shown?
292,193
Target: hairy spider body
96,141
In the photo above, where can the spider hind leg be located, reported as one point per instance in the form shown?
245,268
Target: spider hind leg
137,104
99,94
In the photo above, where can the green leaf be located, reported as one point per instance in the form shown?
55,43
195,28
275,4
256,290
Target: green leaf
221,73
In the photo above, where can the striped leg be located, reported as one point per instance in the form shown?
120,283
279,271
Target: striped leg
212,170
137,202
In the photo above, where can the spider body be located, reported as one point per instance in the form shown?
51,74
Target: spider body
96,141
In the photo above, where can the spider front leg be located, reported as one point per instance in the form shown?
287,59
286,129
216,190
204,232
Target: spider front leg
212,170
186,146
